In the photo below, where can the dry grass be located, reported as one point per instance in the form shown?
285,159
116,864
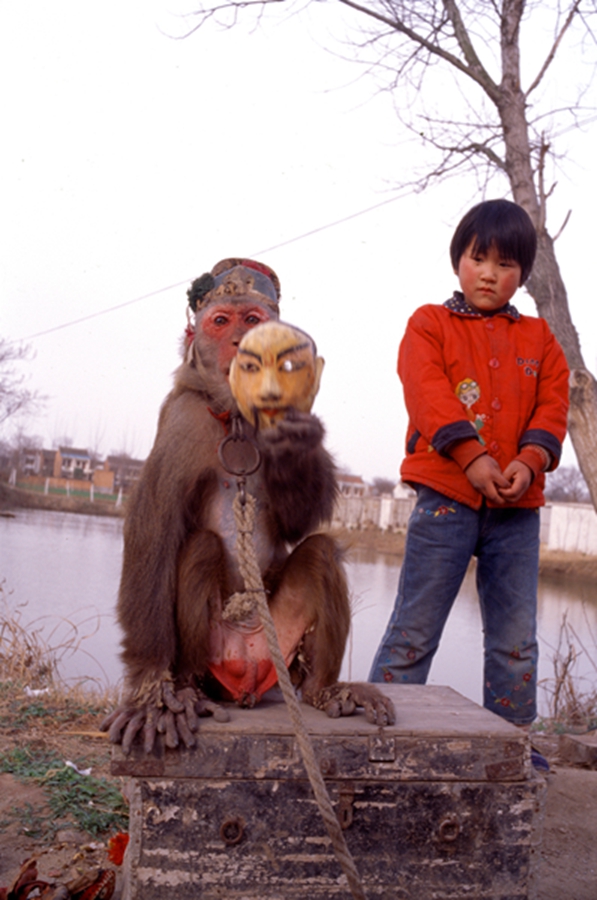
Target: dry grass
24,655
31,657
572,698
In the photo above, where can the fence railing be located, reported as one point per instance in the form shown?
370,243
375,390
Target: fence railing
361,513
570,527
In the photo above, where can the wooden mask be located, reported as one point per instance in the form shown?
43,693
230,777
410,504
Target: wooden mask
275,369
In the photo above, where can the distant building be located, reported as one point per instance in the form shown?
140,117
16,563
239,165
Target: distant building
75,463
103,478
51,463
352,485
126,471
5,459
35,461
30,461
402,491
117,473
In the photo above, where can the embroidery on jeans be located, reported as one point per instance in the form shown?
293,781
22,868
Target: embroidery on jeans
411,655
468,392
440,511
511,699
508,700
388,676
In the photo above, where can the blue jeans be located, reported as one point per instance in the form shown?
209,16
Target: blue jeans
441,538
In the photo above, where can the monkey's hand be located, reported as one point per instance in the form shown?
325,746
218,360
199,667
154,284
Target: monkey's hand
297,432
342,699
159,708
299,475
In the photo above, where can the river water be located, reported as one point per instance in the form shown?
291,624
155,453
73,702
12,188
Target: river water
60,573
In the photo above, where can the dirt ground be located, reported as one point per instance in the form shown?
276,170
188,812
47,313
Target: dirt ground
63,852
568,853
569,847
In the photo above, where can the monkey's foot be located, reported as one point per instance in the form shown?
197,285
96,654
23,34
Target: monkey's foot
342,699
206,707
159,708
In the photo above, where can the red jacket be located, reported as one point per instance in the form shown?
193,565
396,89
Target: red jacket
499,380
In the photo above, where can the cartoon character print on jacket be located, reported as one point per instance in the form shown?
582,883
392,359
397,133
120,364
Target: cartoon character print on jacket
468,392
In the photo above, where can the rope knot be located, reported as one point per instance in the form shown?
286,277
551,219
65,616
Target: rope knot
242,605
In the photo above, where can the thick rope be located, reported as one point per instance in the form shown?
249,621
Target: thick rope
244,515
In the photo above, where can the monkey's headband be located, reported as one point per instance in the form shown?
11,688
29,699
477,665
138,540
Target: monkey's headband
232,278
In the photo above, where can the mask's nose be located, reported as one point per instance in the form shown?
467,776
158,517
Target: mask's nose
270,386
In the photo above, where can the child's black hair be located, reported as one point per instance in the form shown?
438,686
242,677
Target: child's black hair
498,223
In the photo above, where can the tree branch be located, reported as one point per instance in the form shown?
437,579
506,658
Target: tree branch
475,71
14,398
562,226
469,154
480,149
554,49
231,5
543,151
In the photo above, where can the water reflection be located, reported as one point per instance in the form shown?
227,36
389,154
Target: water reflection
61,571
459,660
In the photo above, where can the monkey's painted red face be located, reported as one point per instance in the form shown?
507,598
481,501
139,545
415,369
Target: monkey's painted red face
224,324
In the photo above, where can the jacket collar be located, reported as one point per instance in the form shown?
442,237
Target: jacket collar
457,304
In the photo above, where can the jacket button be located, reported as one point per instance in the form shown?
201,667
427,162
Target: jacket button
495,446
489,325
494,363
495,404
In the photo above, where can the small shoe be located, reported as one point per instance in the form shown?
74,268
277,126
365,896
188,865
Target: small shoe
538,761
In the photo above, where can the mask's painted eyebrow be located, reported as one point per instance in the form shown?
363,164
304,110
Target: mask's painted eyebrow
251,353
293,349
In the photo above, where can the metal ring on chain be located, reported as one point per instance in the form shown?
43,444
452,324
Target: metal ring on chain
246,470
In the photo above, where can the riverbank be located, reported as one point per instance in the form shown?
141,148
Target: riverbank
552,563
13,498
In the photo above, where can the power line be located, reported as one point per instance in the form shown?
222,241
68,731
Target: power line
101,312
333,224
300,237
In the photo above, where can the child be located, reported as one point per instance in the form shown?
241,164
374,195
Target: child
486,391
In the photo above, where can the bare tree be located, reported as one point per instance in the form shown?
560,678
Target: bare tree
499,125
383,485
23,440
15,398
566,484
63,440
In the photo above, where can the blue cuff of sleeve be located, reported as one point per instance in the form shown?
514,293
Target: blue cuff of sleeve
448,434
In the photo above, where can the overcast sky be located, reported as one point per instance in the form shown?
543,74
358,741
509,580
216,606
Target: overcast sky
131,161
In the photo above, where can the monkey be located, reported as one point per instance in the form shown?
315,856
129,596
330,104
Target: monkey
182,656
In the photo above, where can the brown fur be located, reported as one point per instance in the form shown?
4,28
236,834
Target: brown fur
202,582
317,563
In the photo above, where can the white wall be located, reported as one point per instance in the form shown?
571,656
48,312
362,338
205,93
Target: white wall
571,527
